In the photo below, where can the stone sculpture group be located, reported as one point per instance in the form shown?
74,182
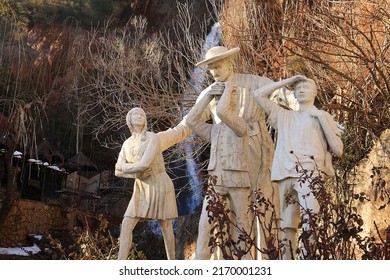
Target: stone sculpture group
231,115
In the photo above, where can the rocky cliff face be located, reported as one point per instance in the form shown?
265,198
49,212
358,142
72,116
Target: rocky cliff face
50,38
372,181
94,12
51,30
164,13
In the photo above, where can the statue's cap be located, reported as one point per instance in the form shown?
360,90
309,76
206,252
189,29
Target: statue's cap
217,53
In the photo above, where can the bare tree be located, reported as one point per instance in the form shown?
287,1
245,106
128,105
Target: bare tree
342,45
123,67
127,68
345,46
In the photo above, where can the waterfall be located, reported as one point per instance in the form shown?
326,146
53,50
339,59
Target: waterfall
212,40
196,198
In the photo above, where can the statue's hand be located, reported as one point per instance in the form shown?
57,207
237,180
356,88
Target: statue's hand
229,87
297,78
217,88
145,174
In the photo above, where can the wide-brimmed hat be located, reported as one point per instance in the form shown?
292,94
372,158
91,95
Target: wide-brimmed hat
217,53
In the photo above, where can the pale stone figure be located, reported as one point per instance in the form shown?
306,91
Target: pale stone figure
306,136
153,195
241,147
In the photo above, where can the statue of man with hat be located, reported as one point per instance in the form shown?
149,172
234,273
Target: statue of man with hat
241,148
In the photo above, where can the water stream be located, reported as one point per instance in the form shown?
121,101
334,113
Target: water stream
194,199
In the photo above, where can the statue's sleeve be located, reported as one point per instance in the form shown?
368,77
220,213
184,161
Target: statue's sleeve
332,134
194,118
150,153
172,136
226,113
121,163
121,158
206,114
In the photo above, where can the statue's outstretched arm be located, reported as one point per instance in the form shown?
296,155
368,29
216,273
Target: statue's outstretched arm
194,118
172,136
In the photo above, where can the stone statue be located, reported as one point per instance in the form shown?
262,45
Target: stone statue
306,136
241,147
153,195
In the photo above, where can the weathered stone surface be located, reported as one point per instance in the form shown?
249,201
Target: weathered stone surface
164,13
372,178
34,217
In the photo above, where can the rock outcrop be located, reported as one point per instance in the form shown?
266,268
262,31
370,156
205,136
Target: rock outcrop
372,179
